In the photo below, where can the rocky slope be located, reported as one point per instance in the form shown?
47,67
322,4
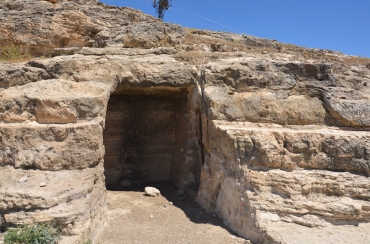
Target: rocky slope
40,26
271,137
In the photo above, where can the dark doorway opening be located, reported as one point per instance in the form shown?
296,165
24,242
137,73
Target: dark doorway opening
150,138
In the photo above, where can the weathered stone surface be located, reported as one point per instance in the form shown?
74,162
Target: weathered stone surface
349,107
147,35
278,161
277,143
292,93
248,40
17,75
54,102
56,123
52,147
112,51
264,147
80,24
256,178
74,199
264,106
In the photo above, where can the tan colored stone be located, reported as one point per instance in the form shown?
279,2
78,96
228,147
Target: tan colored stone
278,144
245,179
151,191
65,26
72,198
52,147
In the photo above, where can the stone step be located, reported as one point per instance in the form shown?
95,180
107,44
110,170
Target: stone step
309,179
71,198
31,145
54,102
271,146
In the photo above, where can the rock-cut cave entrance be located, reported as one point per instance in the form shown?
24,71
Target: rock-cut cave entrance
151,137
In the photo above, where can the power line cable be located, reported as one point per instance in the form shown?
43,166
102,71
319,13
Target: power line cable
203,17
279,13
187,13
292,14
187,16
264,12
280,6
206,2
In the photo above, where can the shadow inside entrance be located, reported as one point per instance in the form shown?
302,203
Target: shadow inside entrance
193,211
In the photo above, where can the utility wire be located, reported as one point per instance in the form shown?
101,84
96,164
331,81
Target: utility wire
279,6
202,17
189,14
287,13
143,2
246,3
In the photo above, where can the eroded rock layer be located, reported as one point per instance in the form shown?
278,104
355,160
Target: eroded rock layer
275,139
286,154
277,183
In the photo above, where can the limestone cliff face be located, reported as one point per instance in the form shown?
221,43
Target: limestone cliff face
286,150
273,138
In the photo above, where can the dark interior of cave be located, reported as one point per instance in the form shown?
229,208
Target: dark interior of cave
147,139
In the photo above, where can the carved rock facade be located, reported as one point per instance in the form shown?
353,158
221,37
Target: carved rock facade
278,148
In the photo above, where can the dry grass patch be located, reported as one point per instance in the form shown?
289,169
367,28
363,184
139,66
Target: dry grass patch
200,58
192,39
357,61
218,48
13,53
325,56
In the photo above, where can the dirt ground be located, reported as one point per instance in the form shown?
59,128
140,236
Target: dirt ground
169,218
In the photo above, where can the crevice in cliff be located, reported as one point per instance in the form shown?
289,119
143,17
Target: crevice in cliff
200,143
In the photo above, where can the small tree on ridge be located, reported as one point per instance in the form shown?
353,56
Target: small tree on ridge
161,6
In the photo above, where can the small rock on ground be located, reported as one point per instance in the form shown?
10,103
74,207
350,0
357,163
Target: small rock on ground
151,191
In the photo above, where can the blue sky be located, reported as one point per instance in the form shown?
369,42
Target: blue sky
336,25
